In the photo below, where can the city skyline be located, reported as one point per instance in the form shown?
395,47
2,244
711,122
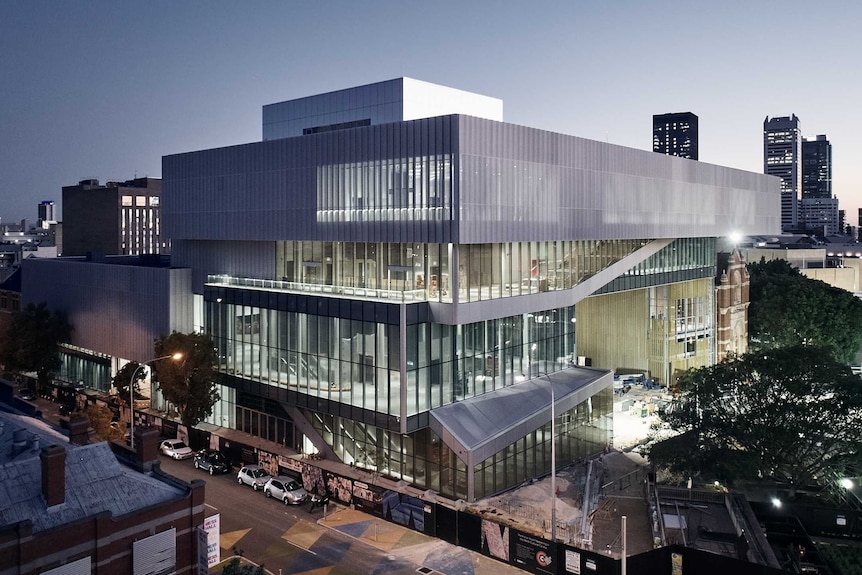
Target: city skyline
97,90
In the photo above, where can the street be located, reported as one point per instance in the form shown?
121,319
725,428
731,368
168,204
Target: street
287,539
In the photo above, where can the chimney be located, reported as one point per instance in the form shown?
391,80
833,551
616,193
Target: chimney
53,460
79,431
147,445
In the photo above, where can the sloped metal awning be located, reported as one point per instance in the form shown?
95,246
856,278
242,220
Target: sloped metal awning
479,427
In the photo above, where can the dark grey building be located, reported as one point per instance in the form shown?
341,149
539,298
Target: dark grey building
675,134
118,218
782,157
816,168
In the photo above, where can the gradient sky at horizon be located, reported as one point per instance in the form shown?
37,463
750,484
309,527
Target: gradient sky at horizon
104,89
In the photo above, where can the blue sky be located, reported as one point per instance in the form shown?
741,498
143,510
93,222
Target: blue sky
104,88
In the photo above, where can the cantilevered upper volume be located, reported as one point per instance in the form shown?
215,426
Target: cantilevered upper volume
354,164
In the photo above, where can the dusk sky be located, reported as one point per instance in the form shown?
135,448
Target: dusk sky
105,89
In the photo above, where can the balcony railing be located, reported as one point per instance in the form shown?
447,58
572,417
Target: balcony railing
396,296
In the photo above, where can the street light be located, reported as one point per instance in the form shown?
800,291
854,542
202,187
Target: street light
553,459
173,356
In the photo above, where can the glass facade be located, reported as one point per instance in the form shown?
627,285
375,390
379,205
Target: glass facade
408,189
580,432
359,362
485,271
77,365
422,459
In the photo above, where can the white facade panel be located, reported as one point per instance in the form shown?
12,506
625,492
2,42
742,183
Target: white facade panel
426,100
380,103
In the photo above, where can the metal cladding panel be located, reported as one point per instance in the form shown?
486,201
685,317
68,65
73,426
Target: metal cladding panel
235,258
269,190
524,184
118,310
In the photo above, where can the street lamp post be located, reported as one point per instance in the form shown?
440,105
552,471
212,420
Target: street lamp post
173,356
553,458
553,463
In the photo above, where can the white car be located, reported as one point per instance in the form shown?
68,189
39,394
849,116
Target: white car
176,449
253,475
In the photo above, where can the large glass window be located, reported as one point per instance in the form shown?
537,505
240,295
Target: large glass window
359,362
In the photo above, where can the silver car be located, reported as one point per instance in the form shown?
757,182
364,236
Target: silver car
285,489
253,475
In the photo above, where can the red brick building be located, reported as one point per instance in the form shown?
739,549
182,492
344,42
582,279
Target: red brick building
731,305
91,509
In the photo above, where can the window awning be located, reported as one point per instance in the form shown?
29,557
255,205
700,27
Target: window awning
479,427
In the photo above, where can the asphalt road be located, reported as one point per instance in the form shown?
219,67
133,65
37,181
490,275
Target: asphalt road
285,539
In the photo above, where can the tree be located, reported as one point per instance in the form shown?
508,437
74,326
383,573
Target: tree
100,419
235,567
790,414
31,342
123,378
788,309
188,382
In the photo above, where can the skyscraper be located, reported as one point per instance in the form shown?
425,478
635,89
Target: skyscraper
675,134
782,153
816,168
47,213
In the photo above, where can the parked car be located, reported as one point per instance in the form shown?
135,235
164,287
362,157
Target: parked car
176,448
212,461
27,395
254,476
285,489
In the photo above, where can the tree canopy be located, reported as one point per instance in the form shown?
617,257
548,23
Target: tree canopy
790,414
123,378
187,383
788,309
100,419
32,340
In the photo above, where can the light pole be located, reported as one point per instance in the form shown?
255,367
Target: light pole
173,356
553,459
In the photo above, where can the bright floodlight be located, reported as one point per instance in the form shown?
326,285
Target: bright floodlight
735,237
776,502
846,483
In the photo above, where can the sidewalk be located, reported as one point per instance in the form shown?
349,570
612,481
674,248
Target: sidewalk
422,550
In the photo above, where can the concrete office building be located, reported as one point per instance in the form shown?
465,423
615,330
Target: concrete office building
819,216
782,156
675,135
118,218
401,293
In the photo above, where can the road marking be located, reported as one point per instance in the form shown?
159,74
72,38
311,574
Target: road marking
210,506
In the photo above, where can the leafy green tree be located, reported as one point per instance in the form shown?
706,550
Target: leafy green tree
789,414
188,382
788,309
32,341
123,378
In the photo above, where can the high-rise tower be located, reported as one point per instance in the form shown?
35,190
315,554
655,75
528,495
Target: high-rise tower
782,153
675,134
816,168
